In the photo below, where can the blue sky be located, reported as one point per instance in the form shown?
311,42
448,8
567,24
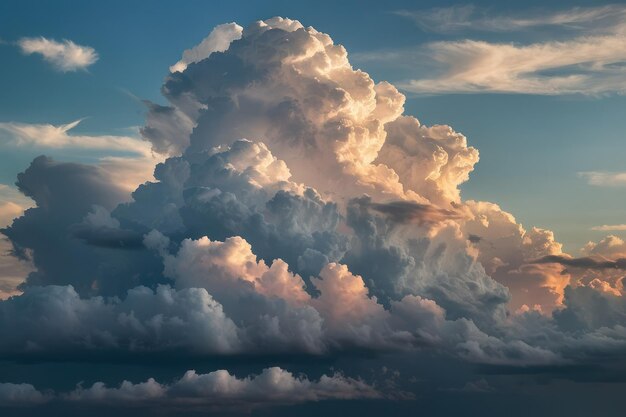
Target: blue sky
531,146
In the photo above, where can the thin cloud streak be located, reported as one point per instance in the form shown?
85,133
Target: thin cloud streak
604,178
56,136
589,60
469,17
610,228
584,65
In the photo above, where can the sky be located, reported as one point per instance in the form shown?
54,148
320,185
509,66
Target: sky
272,207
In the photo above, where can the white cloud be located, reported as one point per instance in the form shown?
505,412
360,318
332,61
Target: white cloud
604,178
64,56
218,40
610,228
469,17
51,136
583,52
127,172
582,65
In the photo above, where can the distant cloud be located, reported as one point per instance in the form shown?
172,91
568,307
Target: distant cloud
215,389
610,227
583,65
469,17
584,52
56,136
21,394
64,56
273,385
604,178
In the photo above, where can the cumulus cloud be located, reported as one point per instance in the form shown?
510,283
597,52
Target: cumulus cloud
273,385
64,56
54,320
611,246
342,140
601,266
298,212
508,251
432,161
64,193
218,40
20,395
214,389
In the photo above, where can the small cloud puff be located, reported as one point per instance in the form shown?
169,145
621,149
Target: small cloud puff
64,56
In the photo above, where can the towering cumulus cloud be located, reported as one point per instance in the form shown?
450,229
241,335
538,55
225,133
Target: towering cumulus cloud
299,213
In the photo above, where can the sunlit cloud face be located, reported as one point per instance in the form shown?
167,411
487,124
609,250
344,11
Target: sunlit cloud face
218,40
64,56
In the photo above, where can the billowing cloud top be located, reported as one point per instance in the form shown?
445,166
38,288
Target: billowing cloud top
299,212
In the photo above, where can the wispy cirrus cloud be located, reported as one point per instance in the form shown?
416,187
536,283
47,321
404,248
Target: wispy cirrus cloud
468,17
610,228
57,136
604,178
588,58
585,65
64,56
127,171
